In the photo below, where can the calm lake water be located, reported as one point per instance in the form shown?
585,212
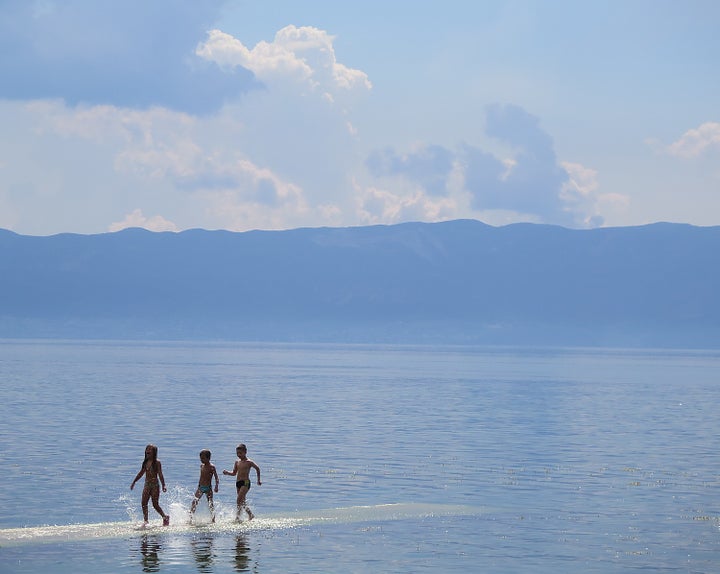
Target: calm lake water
493,459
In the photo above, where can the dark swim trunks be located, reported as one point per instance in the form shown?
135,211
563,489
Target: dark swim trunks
205,488
241,483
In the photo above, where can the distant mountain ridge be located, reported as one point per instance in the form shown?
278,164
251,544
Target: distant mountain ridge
453,282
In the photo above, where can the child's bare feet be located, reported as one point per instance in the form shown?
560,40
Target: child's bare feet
166,520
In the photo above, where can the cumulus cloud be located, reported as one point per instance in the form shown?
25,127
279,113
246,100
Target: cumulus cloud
376,205
134,54
534,180
137,219
234,189
102,124
281,154
300,125
581,198
532,184
697,141
287,154
300,54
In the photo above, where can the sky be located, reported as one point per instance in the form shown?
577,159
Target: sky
278,114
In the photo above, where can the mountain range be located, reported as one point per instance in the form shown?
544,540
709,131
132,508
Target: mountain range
455,282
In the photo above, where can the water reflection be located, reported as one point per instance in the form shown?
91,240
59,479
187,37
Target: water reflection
202,548
210,551
242,554
150,550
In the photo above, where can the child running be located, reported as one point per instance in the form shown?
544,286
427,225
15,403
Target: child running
207,471
241,470
152,469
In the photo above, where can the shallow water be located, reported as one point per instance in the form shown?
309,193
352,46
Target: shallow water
571,459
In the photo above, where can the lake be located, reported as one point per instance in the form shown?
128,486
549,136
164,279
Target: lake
373,458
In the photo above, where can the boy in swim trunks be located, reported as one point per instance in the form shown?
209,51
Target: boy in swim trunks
152,469
207,471
241,470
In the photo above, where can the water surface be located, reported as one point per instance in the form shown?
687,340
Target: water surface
570,459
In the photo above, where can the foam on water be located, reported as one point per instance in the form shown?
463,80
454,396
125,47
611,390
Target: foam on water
347,515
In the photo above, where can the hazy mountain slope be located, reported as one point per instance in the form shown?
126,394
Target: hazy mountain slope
459,281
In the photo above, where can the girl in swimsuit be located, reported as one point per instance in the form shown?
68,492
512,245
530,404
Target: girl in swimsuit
152,469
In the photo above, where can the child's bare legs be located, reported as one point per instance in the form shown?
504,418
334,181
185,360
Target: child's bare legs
211,504
144,503
198,496
194,504
241,504
154,494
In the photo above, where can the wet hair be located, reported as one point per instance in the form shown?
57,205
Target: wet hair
152,458
241,446
206,452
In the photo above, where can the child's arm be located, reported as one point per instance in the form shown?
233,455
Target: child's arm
257,469
233,472
217,480
160,476
138,477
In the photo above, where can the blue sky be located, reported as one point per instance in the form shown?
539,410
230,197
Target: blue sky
178,114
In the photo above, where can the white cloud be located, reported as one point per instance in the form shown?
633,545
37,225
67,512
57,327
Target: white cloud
105,124
383,206
159,147
288,153
137,219
305,54
695,142
281,156
266,60
582,180
161,159
581,197
259,199
300,125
